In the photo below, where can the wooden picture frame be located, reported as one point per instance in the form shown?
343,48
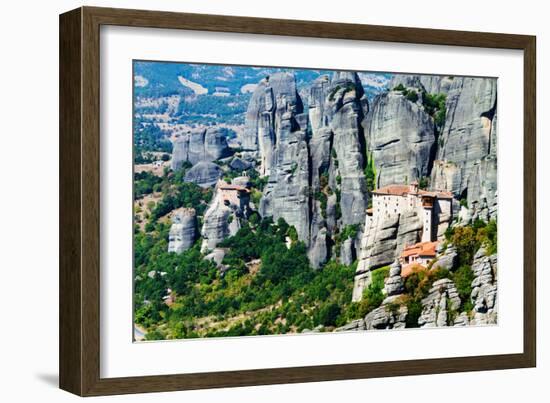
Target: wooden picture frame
80,186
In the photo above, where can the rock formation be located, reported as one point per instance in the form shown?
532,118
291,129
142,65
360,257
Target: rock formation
347,252
393,284
183,232
348,105
431,84
274,100
354,325
315,162
239,164
382,242
467,144
323,218
283,152
484,288
441,305
318,254
446,259
482,189
222,219
204,174
400,138
389,315
200,145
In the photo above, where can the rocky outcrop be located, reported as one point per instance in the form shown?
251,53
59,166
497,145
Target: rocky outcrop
482,189
379,243
239,164
409,230
216,225
436,84
441,306
405,80
323,218
347,252
446,258
383,241
204,174
216,256
484,288
400,138
183,232
199,145
378,246
274,100
446,175
354,325
284,154
223,217
469,133
347,104
393,284
432,84
318,253
390,315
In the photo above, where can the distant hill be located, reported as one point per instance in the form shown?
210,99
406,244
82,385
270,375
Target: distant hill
220,93
154,79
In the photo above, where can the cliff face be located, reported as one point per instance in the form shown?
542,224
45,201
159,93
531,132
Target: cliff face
273,102
458,155
323,218
183,232
315,161
199,145
467,144
401,137
223,217
283,152
315,182
204,174
347,105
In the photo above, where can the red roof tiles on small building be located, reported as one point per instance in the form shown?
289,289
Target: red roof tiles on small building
420,249
403,190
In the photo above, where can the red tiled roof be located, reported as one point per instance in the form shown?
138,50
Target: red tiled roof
396,190
403,190
420,249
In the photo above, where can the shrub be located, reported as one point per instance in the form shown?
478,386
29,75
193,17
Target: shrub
417,287
463,278
414,310
412,96
373,295
399,87
434,105
349,231
466,243
328,314
370,173
424,182
154,335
